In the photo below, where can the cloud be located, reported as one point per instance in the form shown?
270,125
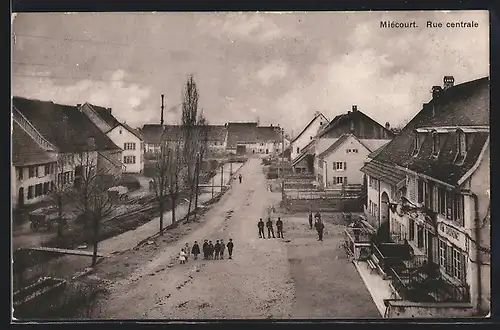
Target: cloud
125,99
272,72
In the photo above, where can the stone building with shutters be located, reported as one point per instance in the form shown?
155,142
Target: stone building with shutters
433,182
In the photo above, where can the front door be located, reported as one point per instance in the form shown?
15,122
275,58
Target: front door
20,197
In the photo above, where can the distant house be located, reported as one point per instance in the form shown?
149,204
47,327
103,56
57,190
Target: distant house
121,134
301,140
64,135
216,136
340,163
432,183
242,137
355,122
270,139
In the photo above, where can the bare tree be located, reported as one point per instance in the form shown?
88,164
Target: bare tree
60,190
175,175
161,176
202,145
189,121
91,195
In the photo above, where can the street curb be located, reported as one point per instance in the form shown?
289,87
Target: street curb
381,311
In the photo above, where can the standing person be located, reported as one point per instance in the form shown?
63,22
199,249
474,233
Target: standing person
205,250
270,229
240,177
195,250
279,227
311,219
260,225
222,248
230,246
217,249
319,228
182,256
187,250
210,250
317,216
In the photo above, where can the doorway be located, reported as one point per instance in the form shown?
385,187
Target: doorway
20,197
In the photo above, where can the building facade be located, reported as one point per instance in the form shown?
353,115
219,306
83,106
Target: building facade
308,133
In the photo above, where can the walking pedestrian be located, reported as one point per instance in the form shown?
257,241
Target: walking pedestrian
270,229
210,250
260,225
279,227
319,228
182,256
222,248
205,250
317,216
230,246
217,249
195,250
311,219
240,177
187,250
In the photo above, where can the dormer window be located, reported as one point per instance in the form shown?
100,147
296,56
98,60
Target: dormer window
435,144
461,146
416,144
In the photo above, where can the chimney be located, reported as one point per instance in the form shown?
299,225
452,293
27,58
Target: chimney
354,108
435,91
448,82
387,125
271,125
109,109
78,105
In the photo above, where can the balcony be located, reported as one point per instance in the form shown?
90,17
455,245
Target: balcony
358,242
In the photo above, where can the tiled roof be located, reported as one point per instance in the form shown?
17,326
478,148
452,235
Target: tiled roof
383,172
374,144
334,145
318,114
106,115
151,133
241,133
26,151
309,149
463,105
63,125
268,134
374,153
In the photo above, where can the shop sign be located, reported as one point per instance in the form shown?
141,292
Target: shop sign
450,232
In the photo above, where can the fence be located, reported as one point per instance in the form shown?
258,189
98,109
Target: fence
301,193
323,205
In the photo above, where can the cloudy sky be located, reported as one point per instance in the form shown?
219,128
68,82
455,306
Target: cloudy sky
277,67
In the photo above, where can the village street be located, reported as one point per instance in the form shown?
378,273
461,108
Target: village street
295,277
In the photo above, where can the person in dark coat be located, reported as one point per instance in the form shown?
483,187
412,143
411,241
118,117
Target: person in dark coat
319,228
195,250
311,219
230,246
222,248
240,177
260,225
279,227
205,250
270,228
217,249
210,251
318,216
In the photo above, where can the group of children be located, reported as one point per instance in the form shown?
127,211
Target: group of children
210,251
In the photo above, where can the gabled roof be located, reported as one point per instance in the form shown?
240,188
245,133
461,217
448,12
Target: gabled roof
64,126
347,117
374,153
384,172
151,133
309,149
105,115
318,114
26,151
463,105
241,133
268,134
335,145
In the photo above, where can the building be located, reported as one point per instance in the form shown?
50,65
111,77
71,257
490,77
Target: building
307,134
434,182
242,138
340,163
63,136
216,136
355,122
270,140
121,134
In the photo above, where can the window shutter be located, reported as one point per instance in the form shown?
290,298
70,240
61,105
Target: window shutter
345,180
449,260
435,249
435,202
463,268
345,166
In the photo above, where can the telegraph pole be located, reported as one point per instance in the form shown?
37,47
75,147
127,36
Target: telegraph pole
282,165
221,177
162,107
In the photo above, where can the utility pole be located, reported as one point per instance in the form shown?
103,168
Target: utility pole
213,186
162,107
221,177
282,165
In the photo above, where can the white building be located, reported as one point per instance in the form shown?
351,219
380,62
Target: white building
307,134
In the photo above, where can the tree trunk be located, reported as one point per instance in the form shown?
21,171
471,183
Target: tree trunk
197,180
59,219
161,208
96,240
173,199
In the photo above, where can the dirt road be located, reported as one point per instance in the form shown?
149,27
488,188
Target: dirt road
268,278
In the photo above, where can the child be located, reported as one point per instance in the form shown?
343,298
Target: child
182,256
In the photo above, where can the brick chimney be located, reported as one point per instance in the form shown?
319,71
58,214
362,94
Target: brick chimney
354,108
448,82
387,125
78,105
435,91
109,109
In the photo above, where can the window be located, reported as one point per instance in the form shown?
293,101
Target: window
420,188
129,159
347,151
429,195
449,205
411,229
420,237
435,144
38,190
20,173
339,180
31,171
458,209
310,138
46,186
129,146
31,192
461,146
442,253
373,183
355,151
416,144
298,150
339,166
441,201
